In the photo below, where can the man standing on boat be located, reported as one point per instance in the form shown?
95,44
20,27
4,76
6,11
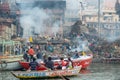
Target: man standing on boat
31,53
39,54
26,56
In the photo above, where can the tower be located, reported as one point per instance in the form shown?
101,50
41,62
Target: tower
117,7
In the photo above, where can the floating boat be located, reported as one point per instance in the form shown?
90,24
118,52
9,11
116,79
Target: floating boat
82,60
46,73
10,62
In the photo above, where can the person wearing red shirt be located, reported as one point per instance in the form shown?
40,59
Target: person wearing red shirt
63,63
31,52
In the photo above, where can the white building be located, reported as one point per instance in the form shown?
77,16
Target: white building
109,20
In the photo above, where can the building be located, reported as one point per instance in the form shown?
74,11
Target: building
8,20
7,28
109,20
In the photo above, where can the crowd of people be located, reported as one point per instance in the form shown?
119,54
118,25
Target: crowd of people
34,55
49,64
102,48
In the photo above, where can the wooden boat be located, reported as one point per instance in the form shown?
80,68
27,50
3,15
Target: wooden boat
10,62
82,60
46,73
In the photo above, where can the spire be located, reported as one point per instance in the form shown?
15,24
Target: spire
117,7
117,1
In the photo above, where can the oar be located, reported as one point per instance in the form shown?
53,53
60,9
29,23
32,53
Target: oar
64,78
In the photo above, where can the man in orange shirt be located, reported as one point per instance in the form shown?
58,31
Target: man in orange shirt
31,52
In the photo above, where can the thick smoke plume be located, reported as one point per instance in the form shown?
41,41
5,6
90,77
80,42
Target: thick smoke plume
37,20
33,19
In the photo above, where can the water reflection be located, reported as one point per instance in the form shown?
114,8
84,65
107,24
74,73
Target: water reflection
85,72
94,72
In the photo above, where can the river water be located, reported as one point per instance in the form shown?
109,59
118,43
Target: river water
96,71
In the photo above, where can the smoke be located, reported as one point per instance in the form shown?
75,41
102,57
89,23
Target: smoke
56,27
111,37
81,45
73,4
37,20
33,19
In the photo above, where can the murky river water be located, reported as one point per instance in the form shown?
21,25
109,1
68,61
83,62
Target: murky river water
96,71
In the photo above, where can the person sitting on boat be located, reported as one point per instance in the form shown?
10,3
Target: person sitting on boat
62,64
31,53
33,64
70,64
50,63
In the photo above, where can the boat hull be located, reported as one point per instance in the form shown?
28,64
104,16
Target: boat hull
46,74
10,62
10,65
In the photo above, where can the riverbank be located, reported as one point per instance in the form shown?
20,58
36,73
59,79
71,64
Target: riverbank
106,60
